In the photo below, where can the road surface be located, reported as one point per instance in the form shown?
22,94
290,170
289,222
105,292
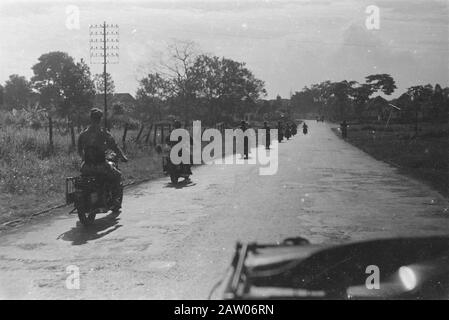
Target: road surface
172,243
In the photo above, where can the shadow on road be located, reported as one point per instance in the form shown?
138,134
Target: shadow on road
101,227
180,184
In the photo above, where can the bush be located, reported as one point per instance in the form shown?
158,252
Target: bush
436,134
370,128
36,124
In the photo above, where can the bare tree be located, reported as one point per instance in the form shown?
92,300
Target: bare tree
179,68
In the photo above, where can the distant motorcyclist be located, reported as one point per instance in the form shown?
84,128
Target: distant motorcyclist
305,128
280,132
294,129
244,127
288,132
186,167
344,129
266,128
94,144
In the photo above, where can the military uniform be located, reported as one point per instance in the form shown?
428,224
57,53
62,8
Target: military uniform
244,127
266,127
93,145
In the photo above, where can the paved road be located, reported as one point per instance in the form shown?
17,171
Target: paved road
176,242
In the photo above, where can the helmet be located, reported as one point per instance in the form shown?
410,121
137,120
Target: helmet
96,114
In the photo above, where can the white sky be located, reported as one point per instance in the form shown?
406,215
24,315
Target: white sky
288,44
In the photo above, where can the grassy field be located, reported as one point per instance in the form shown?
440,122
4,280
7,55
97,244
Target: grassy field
425,157
33,179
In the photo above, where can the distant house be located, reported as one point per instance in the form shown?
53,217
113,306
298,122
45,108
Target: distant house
381,109
125,99
377,109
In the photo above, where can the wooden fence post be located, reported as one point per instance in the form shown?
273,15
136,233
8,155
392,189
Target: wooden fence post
125,131
50,132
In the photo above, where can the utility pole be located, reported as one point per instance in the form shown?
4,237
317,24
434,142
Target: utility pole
105,79
104,48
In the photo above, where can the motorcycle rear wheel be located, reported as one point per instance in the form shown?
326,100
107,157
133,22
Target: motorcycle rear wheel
174,178
86,218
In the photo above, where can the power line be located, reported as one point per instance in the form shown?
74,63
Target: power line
104,49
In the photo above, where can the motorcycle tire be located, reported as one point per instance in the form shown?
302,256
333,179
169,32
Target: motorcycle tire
86,218
174,178
121,194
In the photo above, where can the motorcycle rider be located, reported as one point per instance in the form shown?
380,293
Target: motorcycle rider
280,132
288,132
93,145
344,129
244,127
304,128
266,127
186,167
294,129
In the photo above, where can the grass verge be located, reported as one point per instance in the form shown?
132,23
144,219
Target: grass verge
424,157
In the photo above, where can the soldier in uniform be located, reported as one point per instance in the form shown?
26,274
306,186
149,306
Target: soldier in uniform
186,167
280,132
244,127
93,145
344,129
266,127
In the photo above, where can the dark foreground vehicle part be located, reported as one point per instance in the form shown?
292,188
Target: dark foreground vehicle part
401,268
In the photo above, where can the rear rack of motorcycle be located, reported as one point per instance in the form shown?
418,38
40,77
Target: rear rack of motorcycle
70,189
72,184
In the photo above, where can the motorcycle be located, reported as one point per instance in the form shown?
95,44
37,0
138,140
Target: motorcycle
288,133
91,195
175,171
280,135
304,129
294,130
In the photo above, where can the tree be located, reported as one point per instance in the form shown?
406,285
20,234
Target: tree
50,79
420,96
341,92
17,92
361,95
383,82
316,98
99,84
151,95
177,70
66,83
439,103
200,86
322,95
80,91
227,86
1,95
64,86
